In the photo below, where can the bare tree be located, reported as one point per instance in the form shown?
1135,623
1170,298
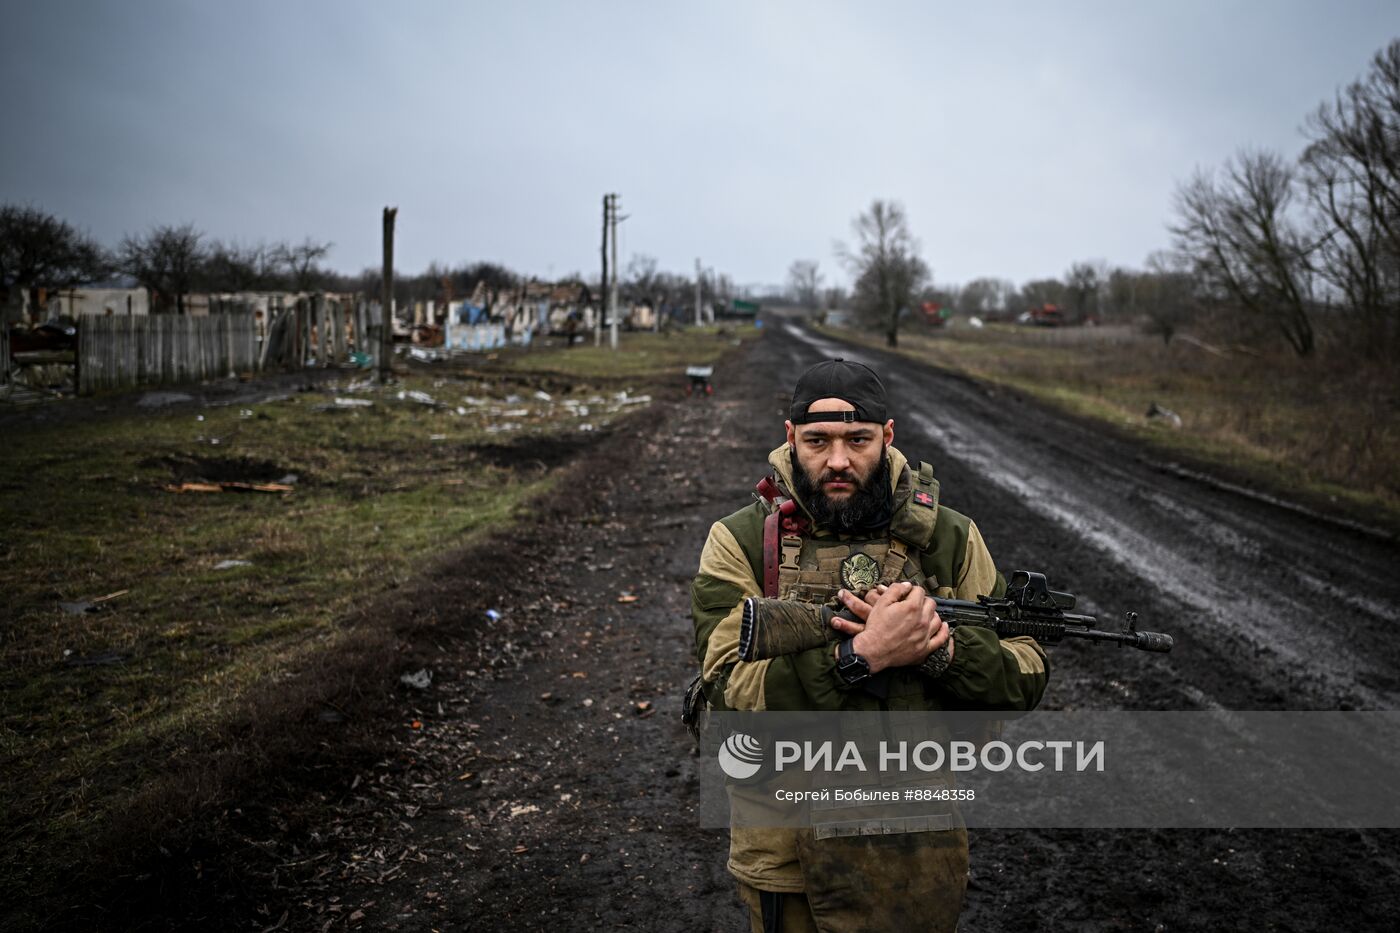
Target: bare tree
1352,173
302,262
804,281
985,296
233,268
1166,292
37,250
642,280
1241,236
166,261
886,265
1039,292
1083,284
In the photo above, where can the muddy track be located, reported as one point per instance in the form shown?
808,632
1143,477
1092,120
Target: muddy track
548,783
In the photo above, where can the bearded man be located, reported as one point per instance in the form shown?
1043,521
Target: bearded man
863,530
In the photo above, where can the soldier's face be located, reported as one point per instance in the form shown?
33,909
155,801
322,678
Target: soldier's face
838,458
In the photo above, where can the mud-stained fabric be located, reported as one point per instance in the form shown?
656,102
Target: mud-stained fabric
793,913
947,554
900,882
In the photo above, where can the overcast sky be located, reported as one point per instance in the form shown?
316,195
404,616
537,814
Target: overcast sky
1019,136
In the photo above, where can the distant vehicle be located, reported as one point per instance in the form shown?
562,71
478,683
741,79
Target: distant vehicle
935,315
1046,315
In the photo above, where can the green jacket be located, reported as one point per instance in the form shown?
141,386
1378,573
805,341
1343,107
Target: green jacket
986,673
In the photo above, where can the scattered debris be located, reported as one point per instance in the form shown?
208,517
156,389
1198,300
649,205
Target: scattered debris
289,480
493,615
522,810
344,402
543,396
94,660
228,487
628,598
422,398
230,564
418,680
78,607
1156,412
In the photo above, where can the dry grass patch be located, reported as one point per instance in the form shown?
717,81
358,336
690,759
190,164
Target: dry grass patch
1326,429
123,729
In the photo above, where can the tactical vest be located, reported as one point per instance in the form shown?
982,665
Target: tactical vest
809,569
799,566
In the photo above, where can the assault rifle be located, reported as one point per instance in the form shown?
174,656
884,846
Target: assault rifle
771,628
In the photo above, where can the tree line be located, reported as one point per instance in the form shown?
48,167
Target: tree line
1263,245
41,252
1289,241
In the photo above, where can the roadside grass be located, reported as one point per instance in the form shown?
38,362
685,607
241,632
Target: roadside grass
102,712
662,356
1324,430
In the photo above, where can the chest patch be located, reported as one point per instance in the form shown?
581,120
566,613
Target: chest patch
859,572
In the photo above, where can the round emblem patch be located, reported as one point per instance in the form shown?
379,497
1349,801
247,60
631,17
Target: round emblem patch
859,572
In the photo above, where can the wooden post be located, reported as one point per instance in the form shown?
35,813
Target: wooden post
386,334
603,283
337,331
318,315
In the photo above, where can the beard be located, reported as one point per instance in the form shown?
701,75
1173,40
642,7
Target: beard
869,506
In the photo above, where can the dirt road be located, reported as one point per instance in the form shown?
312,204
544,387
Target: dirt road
543,779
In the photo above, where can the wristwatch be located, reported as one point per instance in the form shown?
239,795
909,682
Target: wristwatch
851,667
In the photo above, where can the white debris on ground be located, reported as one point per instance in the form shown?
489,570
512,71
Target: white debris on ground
493,414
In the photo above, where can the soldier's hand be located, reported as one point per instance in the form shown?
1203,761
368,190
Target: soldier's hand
857,607
900,628
938,632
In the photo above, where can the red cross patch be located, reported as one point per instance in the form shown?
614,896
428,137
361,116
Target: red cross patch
923,498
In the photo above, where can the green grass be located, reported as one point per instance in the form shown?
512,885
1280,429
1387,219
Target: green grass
639,355
1326,430
88,514
125,728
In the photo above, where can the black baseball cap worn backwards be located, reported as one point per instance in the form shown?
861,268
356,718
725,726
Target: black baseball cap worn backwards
849,381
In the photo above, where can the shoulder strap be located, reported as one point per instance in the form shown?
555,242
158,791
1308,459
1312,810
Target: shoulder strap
914,520
782,535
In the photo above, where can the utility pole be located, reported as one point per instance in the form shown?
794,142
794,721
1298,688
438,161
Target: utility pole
698,277
603,282
386,333
612,294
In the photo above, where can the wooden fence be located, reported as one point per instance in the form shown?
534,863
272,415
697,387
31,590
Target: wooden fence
320,332
162,349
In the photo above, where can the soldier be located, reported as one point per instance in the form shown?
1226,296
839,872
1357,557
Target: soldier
867,523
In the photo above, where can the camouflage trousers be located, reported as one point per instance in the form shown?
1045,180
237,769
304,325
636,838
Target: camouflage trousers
864,884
